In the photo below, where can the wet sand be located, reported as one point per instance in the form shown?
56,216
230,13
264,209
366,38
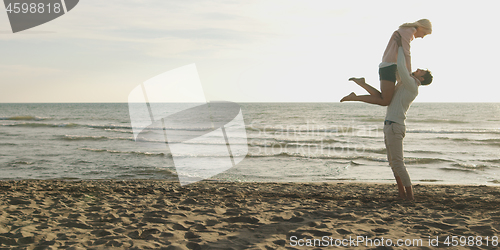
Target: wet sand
144,214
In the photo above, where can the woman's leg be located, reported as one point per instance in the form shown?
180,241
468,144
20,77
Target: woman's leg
387,86
376,97
387,91
362,83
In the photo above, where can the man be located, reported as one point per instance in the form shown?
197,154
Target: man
394,126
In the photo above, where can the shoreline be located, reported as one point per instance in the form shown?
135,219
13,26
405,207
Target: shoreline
208,181
145,214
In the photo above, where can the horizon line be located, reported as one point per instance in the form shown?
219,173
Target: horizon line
201,102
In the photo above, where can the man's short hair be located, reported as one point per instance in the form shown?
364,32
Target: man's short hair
427,78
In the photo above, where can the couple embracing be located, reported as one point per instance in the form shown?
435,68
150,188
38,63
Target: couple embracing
396,67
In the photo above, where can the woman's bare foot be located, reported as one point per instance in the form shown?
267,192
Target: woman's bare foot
349,97
359,81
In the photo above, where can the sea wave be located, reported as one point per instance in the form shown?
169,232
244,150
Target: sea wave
454,139
458,131
423,161
492,142
287,144
66,125
311,129
492,161
24,118
91,138
154,154
274,142
107,127
251,142
281,154
98,150
36,125
424,152
471,166
21,163
436,121
217,141
126,131
358,150
409,161
168,171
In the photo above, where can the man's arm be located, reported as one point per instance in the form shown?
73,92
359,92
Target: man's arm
402,70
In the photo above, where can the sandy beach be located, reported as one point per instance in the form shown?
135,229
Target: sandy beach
163,215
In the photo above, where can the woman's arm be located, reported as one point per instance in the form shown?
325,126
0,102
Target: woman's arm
407,34
404,74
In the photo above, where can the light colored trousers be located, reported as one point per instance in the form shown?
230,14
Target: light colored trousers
393,137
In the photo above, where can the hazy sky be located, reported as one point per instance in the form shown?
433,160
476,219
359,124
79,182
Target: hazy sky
247,51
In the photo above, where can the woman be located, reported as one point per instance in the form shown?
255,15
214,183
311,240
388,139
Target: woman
388,68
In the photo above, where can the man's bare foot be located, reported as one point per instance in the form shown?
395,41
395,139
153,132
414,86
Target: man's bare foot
359,81
402,196
409,193
349,97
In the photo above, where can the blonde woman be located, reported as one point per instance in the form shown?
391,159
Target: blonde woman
388,68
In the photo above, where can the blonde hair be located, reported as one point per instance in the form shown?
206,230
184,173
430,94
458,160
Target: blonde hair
424,23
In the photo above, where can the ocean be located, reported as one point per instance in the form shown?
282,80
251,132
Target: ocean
445,143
